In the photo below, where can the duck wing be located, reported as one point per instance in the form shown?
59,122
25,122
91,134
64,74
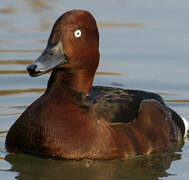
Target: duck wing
120,105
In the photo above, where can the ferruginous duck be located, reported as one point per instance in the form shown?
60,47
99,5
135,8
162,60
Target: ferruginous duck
73,120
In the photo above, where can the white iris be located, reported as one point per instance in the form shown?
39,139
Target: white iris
77,33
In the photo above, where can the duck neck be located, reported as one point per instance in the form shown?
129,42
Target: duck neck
80,81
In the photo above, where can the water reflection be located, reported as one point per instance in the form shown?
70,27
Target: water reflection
20,50
37,5
13,62
25,72
147,168
118,24
12,71
9,10
20,91
178,100
127,47
9,114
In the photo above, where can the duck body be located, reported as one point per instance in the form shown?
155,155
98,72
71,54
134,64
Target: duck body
70,126
73,120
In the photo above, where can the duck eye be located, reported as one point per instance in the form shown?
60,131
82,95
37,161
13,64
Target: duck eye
77,33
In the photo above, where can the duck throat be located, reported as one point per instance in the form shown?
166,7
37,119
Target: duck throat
80,81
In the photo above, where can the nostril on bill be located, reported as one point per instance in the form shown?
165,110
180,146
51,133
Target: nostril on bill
32,69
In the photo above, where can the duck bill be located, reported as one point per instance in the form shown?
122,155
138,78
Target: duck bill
52,57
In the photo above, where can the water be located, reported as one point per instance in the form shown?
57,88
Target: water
143,44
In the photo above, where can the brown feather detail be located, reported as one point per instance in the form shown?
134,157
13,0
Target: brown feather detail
66,123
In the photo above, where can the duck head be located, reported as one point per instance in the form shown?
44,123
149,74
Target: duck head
73,48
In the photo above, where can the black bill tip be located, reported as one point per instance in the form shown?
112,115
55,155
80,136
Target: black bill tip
32,70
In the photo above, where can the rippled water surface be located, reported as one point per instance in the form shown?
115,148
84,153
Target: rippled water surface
144,45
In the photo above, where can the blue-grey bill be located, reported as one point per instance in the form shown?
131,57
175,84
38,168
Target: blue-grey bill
52,57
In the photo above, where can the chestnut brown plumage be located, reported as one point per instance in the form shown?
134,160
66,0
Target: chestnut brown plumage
72,121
